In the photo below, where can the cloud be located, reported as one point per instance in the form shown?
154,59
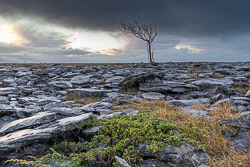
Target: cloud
113,52
190,48
35,38
176,17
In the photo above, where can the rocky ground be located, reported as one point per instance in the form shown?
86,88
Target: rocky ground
35,104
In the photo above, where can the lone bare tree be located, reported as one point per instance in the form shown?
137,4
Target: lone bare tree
142,31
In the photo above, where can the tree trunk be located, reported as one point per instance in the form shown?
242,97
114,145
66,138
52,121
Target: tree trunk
150,55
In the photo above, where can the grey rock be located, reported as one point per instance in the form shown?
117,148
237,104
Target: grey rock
153,96
7,110
8,82
212,84
4,100
127,111
135,80
114,79
7,91
185,103
109,100
85,92
28,100
104,111
240,79
70,123
166,87
40,118
178,155
48,107
242,121
22,69
40,72
91,131
61,84
154,163
116,95
66,111
228,134
195,112
29,110
93,107
242,141
243,68
6,119
227,101
81,79
22,74
216,97
248,93
121,162
108,116
27,136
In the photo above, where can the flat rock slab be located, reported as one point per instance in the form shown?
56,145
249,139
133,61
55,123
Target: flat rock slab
67,111
242,140
81,79
61,84
185,103
242,121
27,136
88,92
49,106
38,119
93,107
153,96
8,90
212,83
70,123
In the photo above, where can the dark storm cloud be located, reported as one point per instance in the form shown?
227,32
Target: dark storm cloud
176,17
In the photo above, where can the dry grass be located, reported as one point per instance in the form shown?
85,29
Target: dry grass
242,90
209,132
194,76
78,99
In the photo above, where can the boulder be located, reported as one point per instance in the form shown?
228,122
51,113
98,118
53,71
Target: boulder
178,155
134,81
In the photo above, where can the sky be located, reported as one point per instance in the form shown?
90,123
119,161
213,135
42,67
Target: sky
83,31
